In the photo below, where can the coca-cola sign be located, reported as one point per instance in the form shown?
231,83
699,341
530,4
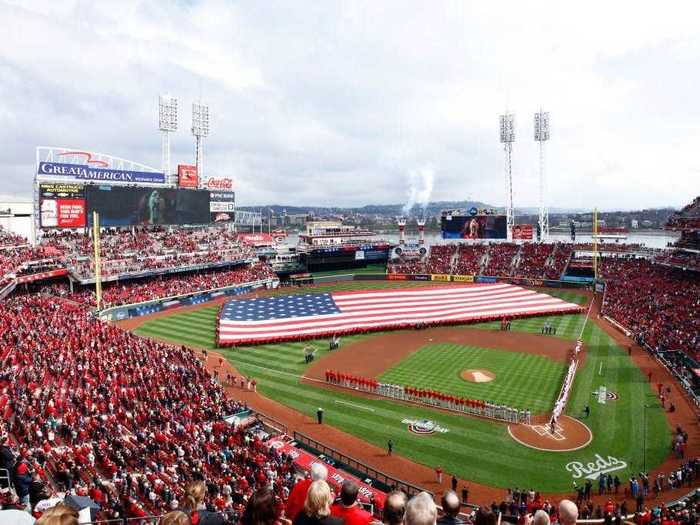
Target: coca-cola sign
219,184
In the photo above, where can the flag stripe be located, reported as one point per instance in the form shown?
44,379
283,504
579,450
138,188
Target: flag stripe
313,315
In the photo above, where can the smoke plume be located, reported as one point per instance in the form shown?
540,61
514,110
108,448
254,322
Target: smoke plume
420,188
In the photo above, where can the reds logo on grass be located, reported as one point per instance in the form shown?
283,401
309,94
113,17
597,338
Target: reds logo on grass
423,426
593,469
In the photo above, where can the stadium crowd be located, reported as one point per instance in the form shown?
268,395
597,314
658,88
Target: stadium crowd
658,304
528,260
163,286
469,258
533,259
91,409
141,249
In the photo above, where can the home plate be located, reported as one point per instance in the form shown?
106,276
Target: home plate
478,375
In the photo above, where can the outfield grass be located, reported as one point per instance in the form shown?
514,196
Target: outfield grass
473,449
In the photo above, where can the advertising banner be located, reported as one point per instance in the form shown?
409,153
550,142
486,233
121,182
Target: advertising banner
463,278
82,172
439,277
62,205
218,184
222,206
473,227
187,176
256,239
396,277
485,279
122,206
522,232
420,277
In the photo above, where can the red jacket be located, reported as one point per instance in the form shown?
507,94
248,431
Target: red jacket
351,515
296,499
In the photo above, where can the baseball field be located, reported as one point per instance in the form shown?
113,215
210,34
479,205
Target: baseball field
525,370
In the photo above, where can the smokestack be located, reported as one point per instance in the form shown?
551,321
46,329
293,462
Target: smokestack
402,230
421,231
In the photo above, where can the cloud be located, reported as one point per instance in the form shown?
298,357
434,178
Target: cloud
327,103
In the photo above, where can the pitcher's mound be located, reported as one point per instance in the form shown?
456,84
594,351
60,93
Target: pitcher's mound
478,375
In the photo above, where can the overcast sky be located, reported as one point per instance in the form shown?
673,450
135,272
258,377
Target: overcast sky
326,103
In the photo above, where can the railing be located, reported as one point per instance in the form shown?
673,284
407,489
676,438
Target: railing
272,422
358,465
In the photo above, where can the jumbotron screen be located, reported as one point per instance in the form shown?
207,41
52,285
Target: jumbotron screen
119,206
476,226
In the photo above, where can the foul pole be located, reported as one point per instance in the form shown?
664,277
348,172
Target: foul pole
96,244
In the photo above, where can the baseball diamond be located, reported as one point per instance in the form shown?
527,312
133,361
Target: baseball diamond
435,358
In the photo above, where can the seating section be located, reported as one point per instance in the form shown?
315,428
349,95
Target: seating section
18,258
94,408
560,258
127,251
409,267
533,259
162,286
440,259
658,304
501,259
469,257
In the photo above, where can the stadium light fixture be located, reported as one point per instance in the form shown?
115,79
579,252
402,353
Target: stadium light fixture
167,123
542,136
507,139
200,129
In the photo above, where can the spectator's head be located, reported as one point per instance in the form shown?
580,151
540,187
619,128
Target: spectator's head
568,512
485,516
194,495
348,493
61,514
176,517
540,518
421,510
394,508
318,500
260,509
450,503
318,472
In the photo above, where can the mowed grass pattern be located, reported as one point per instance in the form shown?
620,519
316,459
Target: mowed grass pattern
473,449
522,380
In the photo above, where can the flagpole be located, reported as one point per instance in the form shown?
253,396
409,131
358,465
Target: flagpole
96,243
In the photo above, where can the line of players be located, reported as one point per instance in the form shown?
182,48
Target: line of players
424,396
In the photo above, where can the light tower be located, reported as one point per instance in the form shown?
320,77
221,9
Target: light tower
402,230
542,136
167,123
200,129
507,139
421,230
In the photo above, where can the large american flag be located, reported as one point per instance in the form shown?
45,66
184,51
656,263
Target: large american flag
309,315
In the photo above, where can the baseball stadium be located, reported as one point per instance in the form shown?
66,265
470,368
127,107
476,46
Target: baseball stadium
172,355
516,372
